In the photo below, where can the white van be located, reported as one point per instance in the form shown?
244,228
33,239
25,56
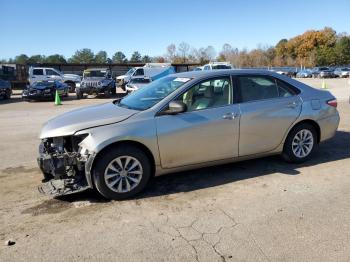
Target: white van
150,70
37,74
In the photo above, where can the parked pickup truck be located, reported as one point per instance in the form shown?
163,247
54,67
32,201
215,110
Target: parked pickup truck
51,74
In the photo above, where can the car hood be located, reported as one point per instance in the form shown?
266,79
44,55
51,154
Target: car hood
122,77
83,118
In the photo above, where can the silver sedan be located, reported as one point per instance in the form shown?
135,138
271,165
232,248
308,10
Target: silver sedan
180,122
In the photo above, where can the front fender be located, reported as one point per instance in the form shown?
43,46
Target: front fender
142,131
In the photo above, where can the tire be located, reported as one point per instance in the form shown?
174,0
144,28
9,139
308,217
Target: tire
109,159
71,87
7,95
292,152
79,94
108,92
113,90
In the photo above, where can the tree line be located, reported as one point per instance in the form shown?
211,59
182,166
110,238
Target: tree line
312,48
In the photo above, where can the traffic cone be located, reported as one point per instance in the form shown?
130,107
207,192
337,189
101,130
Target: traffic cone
57,99
324,85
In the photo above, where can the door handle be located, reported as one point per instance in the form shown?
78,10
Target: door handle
293,104
230,116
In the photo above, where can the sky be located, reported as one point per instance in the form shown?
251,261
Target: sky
149,26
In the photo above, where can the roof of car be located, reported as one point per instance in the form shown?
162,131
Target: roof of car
198,74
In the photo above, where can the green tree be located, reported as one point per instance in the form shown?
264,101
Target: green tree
119,57
58,59
36,59
146,59
21,59
101,57
342,50
82,56
135,57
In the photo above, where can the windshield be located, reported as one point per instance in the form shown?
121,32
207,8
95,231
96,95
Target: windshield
153,93
132,70
97,73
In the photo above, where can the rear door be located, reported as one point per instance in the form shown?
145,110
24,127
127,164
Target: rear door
52,75
268,108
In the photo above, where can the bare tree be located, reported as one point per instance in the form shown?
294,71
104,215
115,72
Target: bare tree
184,48
171,52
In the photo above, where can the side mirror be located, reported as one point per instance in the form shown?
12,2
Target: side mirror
176,107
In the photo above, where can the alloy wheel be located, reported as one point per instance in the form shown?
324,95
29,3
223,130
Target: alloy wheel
303,143
123,174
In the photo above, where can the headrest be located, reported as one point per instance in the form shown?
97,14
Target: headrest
209,92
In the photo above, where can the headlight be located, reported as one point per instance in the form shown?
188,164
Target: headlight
82,83
99,83
47,90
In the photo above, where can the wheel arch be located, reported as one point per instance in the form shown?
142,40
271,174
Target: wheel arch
310,122
99,154
69,82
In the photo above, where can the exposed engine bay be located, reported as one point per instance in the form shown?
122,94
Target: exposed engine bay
63,166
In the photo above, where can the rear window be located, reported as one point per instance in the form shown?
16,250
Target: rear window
220,67
255,88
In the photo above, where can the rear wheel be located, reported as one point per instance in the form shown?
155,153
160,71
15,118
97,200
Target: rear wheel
113,90
300,143
108,92
121,172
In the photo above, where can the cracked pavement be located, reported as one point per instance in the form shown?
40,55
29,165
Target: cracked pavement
257,210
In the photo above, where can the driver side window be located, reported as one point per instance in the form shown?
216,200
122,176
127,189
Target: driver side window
211,93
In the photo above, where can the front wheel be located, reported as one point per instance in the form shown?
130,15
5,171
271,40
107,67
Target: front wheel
300,143
121,172
71,87
79,94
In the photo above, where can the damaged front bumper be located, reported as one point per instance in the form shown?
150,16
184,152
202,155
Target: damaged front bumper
63,167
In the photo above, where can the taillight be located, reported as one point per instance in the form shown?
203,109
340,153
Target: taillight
332,102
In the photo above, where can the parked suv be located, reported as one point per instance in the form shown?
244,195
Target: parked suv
37,74
96,81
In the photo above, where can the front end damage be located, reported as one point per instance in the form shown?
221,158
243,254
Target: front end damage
63,163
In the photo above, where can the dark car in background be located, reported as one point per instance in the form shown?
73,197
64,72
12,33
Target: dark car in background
5,89
45,90
287,71
342,72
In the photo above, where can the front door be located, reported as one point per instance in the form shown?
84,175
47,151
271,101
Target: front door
207,131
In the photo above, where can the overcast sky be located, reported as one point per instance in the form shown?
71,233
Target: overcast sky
49,27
